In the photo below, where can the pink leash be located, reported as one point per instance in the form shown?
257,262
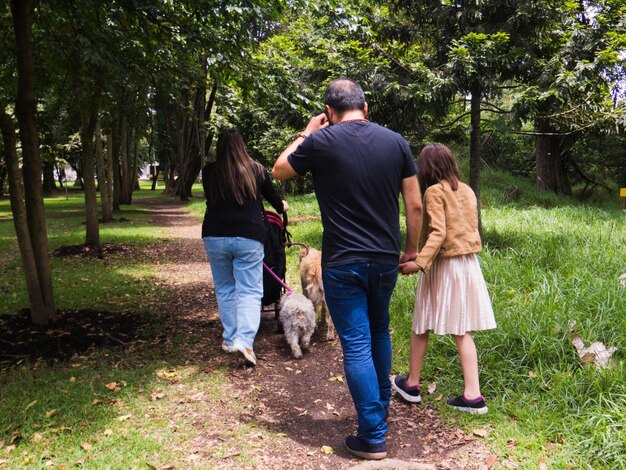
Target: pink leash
280,281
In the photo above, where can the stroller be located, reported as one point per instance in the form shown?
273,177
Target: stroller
276,260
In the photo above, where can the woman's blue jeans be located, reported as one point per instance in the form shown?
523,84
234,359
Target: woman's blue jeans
237,267
358,297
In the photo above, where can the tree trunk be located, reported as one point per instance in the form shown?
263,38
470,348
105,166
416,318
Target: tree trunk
475,149
18,208
89,120
25,108
113,165
155,177
3,175
134,185
207,116
125,189
60,177
103,183
551,174
48,178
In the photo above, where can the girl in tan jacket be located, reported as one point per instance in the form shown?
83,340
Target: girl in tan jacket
452,296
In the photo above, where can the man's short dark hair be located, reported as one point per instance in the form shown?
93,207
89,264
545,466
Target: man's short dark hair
344,95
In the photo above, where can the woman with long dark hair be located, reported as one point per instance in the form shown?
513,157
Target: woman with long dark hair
233,231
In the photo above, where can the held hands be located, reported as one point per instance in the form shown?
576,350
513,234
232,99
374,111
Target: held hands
407,265
316,123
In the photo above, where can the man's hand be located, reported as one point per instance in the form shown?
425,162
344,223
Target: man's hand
408,256
316,123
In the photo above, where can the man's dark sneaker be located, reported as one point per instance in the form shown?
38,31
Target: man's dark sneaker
362,449
475,406
409,393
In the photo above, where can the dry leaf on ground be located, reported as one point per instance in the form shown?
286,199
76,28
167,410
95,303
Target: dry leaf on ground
492,459
480,432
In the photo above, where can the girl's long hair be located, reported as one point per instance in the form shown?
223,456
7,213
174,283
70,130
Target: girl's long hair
437,163
235,173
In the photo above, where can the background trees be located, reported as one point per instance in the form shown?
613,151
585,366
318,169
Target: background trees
534,87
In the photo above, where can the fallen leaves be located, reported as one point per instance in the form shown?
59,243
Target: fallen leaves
480,432
116,386
87,446
111,386
491,460
327,450
532,374
431,387
335,378
51,413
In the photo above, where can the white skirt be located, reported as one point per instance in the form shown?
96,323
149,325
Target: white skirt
452,298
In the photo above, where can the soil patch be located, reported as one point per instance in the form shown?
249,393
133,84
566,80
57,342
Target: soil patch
75,333
91,250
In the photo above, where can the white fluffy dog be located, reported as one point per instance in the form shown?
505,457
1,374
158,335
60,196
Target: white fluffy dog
297,315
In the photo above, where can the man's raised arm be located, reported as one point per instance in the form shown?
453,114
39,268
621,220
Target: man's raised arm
282,168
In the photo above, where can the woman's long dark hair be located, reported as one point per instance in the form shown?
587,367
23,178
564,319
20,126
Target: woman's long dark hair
437,163
234,171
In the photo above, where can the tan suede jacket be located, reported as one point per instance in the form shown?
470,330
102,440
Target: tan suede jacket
450,226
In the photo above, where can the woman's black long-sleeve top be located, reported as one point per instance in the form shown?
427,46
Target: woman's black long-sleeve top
227,218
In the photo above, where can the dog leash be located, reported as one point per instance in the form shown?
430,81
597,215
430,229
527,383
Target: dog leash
280,281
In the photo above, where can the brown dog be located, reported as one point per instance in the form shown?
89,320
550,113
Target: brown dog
312,286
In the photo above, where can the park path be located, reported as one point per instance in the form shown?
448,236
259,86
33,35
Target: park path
302,407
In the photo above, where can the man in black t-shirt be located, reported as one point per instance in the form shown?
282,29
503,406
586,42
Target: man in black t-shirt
359,169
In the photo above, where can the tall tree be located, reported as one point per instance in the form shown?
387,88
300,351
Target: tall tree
34,249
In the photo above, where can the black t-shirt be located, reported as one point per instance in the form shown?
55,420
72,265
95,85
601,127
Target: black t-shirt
357,168
227,218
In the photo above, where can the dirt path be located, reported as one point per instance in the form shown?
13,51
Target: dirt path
304,404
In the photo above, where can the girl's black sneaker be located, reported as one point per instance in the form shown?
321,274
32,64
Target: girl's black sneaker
476,406
410,394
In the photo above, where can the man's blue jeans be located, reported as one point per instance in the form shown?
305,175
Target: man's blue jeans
237,268
358,297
